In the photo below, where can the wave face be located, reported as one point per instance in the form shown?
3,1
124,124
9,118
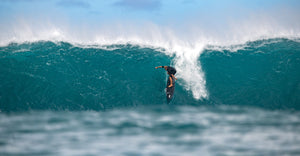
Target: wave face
263,73
60,76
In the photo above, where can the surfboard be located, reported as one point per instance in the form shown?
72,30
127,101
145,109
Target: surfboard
170,90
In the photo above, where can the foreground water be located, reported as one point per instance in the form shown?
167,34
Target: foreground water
163,130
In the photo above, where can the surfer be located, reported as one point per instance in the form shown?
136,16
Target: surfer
171,72
171,81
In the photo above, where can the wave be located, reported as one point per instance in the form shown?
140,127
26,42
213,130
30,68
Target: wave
184,43
261,73
63,76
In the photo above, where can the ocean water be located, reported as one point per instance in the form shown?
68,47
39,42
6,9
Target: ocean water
60,98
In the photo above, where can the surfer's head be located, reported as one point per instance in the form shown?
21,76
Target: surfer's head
166,67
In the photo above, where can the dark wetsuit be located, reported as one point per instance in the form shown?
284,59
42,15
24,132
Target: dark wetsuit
170,90
171,70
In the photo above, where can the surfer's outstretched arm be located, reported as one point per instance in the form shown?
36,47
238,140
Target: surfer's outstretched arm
159,67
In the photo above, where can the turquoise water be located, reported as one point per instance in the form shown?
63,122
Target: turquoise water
60,76
57,98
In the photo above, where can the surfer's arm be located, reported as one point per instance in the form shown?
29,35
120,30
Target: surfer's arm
158,67
174,77
171,82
